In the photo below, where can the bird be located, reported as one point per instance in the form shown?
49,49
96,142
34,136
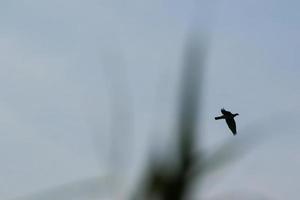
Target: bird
229,118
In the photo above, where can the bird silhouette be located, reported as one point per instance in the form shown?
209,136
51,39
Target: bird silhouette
229,118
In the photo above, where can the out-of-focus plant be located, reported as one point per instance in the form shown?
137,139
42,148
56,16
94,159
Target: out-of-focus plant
165,181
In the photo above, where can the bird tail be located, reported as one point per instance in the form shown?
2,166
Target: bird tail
221,117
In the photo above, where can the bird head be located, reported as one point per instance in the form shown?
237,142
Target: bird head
236,114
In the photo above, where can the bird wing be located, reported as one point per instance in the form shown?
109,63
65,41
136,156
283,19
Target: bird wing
220,117
225,112
231,124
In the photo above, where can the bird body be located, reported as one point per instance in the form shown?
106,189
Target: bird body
229,118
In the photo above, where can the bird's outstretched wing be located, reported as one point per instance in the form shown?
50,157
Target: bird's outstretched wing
225,112
231,124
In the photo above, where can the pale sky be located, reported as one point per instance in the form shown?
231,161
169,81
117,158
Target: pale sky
66,66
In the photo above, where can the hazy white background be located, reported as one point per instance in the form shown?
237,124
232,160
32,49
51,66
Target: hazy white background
67,66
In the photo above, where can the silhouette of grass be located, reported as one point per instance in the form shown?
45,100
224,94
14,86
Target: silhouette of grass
163,182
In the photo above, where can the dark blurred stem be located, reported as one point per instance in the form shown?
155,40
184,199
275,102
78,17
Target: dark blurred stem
189,107
172,181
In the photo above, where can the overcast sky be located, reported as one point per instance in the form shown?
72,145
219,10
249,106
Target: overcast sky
67,66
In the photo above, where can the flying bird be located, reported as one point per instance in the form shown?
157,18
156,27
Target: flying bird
229,118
